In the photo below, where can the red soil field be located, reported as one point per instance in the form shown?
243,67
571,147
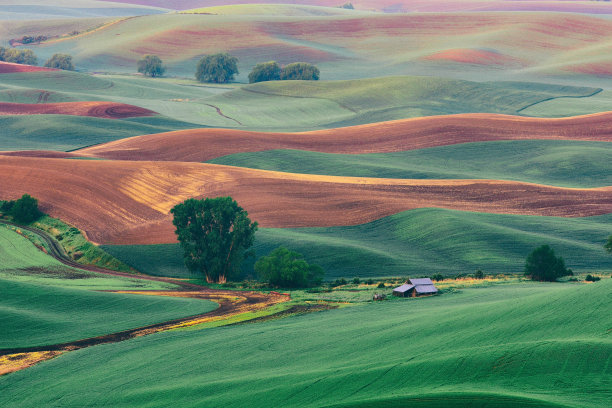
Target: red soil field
9,68
478,57
106,110
127,202
198,145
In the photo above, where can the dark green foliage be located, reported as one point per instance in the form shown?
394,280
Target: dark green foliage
6,207
479,274
300,71
369,282
608,245
437,277
381,285
18,56
591,278
265,71
25,210
217,68
339,282
151,65
215,235
28,39
348,6
288,269
356,281
60,61
543,265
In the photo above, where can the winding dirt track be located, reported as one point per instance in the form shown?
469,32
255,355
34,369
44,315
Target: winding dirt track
128,202
105,110
200,145
230,303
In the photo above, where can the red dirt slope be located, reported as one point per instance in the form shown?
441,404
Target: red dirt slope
9,68
106,110
123,202
199,145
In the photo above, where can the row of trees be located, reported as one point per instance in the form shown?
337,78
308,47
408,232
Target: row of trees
27,57
222,68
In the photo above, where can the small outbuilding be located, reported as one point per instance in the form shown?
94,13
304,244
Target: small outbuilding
416,287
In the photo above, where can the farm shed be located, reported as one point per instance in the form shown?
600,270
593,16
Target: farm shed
416,287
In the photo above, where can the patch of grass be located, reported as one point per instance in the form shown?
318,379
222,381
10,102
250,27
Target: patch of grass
414,243
527,344
550,162
34,315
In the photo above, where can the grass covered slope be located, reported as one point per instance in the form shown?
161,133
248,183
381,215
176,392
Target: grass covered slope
559,163
523,345
413,243
35,315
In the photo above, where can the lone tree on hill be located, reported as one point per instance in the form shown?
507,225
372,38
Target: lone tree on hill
25,210
543,265
265,71
217,68
215,235
60,61
608,245
288,269
151,65
300,71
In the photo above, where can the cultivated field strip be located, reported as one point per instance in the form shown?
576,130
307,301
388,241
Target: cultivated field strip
106,110
121,202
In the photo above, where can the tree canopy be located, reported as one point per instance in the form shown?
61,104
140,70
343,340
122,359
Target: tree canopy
60,61
151,65
215,235
265,71
18,56
24,210
608,245
218,68
288,269
543,265
300,71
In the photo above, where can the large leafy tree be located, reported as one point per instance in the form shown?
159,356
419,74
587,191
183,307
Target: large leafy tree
215,235
60,61
543,265
265,71
288,269
19,56
25,210
301,71
151,65
217,68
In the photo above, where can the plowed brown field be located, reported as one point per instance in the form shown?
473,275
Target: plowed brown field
9,68
199,145
128,202
106,110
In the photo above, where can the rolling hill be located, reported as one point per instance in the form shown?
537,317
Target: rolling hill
524,345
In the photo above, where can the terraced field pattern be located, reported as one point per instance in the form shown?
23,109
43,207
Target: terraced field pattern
443,137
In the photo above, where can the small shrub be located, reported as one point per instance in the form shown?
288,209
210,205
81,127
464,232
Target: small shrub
437,277
381,285
591,278
479,274
356,281
369,282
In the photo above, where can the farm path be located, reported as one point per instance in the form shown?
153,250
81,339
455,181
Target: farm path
230,303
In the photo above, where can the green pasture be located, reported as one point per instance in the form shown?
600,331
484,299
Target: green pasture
35,315
514,345
413,243
550,162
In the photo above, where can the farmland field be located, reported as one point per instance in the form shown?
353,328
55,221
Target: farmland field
508,345
441,139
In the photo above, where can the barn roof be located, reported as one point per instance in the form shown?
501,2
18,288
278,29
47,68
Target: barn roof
421,281
426,289
404,288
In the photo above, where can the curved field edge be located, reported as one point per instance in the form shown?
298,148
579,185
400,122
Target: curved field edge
558,163
412,243
517,342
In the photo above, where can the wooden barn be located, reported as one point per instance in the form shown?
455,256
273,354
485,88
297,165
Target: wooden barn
416,287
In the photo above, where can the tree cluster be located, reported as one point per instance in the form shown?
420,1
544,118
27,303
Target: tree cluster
60,61
288,269
217,68
151,65
272,71
543,265
215,235
28,39
24,210
16,56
